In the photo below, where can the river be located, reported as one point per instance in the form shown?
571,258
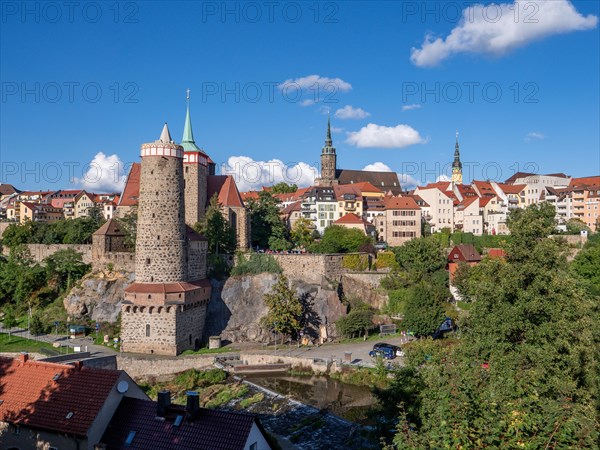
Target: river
344,400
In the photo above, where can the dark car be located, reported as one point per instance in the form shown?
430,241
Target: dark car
383,352
397,351
446,327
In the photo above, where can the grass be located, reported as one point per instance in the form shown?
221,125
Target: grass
466,306
374,336
256,398
18,344
208,351
363,377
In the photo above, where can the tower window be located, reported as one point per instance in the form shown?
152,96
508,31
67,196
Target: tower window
147,261
187,169
147,330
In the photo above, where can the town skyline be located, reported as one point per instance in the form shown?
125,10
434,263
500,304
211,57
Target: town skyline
400,107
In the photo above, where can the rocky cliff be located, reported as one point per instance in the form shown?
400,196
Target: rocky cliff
98,296
236,307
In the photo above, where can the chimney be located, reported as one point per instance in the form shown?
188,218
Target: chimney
78,365
193,404
24,357
163,403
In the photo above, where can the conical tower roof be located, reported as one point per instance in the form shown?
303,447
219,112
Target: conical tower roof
187,141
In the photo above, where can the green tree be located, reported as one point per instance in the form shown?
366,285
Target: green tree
221,236
525,372
9,320
283,188
576,226
421,256
423,310
302,232
355,322
339,239
267,229
587,264
285,309
65,267
36,325
128,224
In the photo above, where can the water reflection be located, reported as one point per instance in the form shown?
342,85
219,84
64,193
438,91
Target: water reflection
344,400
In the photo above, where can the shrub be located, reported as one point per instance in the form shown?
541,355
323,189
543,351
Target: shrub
217,267
355,322
386,260
355,262
256,263
397,299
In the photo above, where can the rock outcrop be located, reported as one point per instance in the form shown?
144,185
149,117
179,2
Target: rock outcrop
365,287
237,305
98,296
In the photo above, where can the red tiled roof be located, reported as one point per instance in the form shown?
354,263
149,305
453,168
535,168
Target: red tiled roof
517,175
484,187
8,189
496,253
249,195
468,201
483,201
209,430
441,185
229,194
585,181
464,252
512,188
110,228
296,206
32,397
400,203
167,288
350,218
131,191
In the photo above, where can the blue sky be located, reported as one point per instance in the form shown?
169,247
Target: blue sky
521,84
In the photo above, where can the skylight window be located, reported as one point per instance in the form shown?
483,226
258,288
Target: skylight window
129,439
69,415
178,420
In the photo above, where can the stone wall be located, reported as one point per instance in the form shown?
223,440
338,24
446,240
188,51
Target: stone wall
197,251
116,260
39,252
142,366
167,330
318,365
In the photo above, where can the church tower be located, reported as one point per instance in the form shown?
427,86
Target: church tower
457,177
165,308
195,171
328,161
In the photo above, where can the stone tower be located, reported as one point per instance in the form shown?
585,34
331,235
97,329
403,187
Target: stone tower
457,165
195,171
328,161
165,308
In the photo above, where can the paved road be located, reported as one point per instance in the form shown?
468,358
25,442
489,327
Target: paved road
360,350
64,340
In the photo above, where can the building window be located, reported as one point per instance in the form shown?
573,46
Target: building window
147,330
254,446
17,430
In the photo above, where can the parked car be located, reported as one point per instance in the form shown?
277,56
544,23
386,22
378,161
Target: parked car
397,351
383,352
446,327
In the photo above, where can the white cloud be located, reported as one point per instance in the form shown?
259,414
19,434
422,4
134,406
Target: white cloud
377,167
443,178
407,181
349,112
307,102
409,107
336,130
374,135
103,174
314,87
534,136
251,175
496,29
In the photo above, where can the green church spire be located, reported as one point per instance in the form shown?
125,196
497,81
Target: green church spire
187,142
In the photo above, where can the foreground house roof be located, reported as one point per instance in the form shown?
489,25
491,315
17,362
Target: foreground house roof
209,429
55,397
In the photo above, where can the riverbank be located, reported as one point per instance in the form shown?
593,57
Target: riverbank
295,424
